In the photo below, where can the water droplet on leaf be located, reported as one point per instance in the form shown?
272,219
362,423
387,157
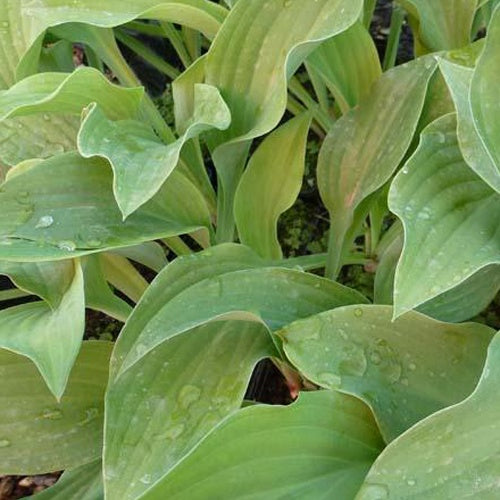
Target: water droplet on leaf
67,245
4,443
45,221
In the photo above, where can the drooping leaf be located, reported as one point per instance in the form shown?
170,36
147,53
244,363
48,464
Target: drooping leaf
472,145
270,185
69,93
157,412
141,162
269,42
449,216
201,15
349,65
49,280
67,434
273,296
365,146
442,24
82,483
451,454
405,370
51,338
320,447
40,206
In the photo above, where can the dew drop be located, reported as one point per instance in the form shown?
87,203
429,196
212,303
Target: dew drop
412,367
404,381
329,379
67,245
146,479
45,221
4,443
411,482
358,312
188,395
374,491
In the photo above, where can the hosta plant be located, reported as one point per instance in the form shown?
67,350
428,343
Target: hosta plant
395,388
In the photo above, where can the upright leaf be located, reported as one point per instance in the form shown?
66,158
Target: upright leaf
405,370
157,412
51,338
453,453
449,216
349,65
365,146
442,24
67,434
320,447
270,185
269,40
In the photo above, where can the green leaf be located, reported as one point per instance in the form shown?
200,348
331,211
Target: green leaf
82,483
40,206
141,162
472,145
365,146
269,42
270,186
273,296
49,280
320,447
69,93
98,294
442,24
405,370
177,277
157,412
483,101
201,15
149,254
452,454
37,136
449,216
67,434
349,65
51,338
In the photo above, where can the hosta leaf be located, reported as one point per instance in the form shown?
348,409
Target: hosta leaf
157,412
69,93
49,280
443,24
269,42
98,294
320,447
483,101
51,338
349,65
40,206
274,296
149,254
67,434
178,276
365,146
201,15
270,185
405,370
141,162
449,216
454,453
82,483
37,136
472,145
